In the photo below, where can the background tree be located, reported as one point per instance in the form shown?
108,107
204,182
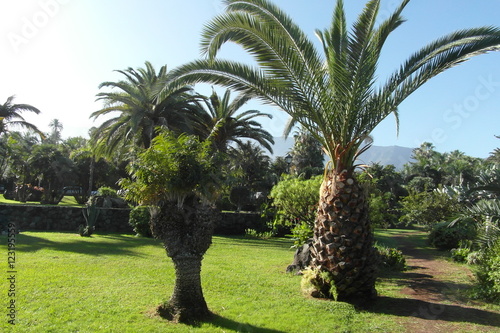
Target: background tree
224,124
337,99
10,115
141,109
55,136
307,155
177,176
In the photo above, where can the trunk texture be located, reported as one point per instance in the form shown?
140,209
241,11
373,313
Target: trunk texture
186,233
343,240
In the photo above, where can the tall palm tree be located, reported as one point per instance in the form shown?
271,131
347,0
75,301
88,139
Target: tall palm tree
56,127
10,114
141,109
336,97
223,125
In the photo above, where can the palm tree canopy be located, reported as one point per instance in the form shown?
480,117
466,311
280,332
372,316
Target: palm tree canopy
11,114
223,124
141,109
334,94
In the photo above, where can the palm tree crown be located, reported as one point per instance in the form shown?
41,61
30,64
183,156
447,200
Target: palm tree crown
223,125
334,96
141,109
11,114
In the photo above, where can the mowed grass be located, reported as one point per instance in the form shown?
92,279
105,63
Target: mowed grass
113,282
66,201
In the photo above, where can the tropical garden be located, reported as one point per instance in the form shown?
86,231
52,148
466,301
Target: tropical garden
178,159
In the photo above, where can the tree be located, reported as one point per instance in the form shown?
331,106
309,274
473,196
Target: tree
307,155
55,135
141,109
223,125
336,98
10,114
176,175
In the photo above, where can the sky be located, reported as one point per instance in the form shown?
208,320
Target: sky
55,53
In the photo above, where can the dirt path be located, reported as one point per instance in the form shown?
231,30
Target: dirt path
431,300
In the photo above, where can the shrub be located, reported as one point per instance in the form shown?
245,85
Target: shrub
107,192
381,214
460,255
447,235
256,234
296,202
428,208
488,274
139,220
391,258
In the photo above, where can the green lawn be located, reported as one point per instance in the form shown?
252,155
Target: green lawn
113,282
66,201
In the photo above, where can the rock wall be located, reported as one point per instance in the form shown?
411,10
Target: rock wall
60,218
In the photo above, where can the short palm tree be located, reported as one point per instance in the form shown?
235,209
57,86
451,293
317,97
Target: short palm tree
224,125
10,114
141,109
336,97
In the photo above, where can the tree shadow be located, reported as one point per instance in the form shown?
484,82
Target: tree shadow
94,246
406,307
232,325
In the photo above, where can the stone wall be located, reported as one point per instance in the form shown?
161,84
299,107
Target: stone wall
60,218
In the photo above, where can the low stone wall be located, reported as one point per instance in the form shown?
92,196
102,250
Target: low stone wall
60,218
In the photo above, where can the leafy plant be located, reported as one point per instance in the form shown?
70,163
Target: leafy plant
391,258
488,274
448,235
296,201
105,191
428,208
139,219
90,213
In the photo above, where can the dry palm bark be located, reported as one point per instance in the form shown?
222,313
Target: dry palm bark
343,239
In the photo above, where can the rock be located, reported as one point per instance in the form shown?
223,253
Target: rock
301,258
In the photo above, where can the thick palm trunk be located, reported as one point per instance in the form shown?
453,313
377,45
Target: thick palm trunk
186,233
187,302
343,240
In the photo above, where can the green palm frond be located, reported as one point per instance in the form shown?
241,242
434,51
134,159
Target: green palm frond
335,96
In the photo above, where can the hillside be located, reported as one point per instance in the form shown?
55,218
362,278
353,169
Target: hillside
395,155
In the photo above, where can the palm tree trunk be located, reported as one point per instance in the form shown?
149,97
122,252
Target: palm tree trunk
343,240
187,302
186,233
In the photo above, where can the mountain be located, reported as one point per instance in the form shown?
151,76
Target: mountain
395,155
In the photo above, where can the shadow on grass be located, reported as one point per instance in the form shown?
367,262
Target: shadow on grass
405,307
282,243
107,244
232,325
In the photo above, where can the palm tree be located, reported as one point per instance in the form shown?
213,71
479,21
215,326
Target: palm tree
223,125
177,177
56,127
337,98
141,109
10,114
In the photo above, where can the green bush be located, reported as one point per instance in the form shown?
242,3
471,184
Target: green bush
447,235
460,254
428,208
107,192
296,203
381,214
488,274
139,219
391,258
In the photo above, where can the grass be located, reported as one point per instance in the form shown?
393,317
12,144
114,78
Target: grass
113,282
66,201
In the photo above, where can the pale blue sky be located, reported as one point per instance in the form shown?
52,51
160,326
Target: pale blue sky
55,53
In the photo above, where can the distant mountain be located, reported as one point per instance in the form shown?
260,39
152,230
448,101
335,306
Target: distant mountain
395,155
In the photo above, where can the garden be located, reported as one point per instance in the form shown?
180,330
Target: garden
172,216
